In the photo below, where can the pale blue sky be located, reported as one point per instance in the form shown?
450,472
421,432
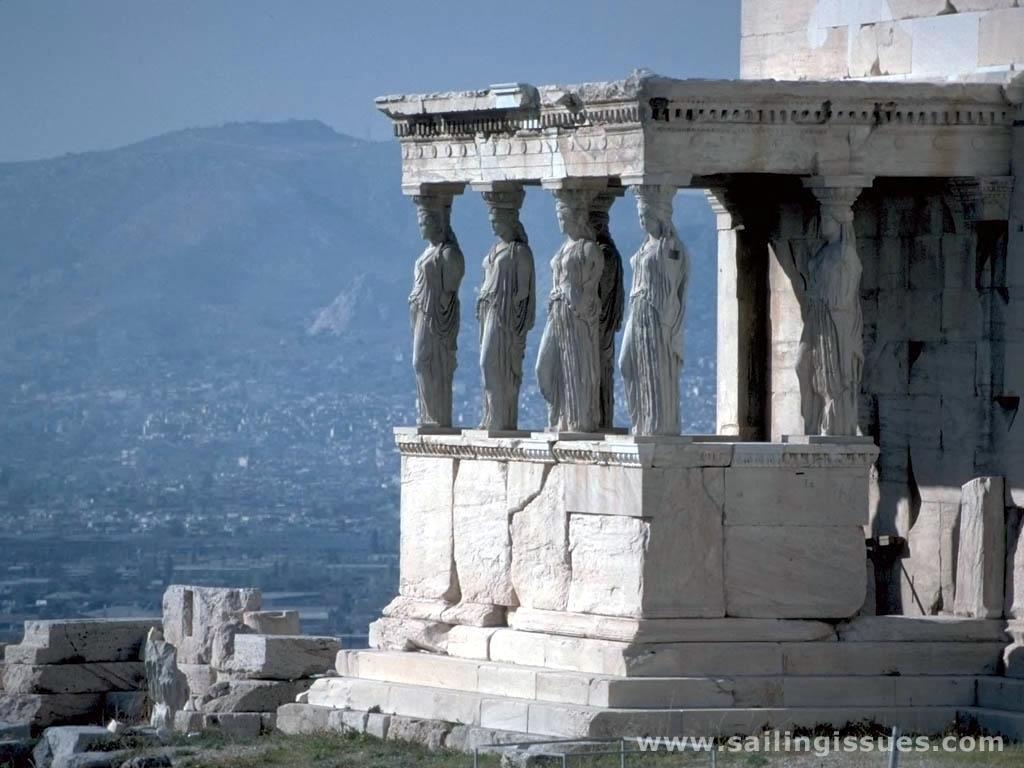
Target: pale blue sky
77,75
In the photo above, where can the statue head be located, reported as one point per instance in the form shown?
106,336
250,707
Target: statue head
504,208
432,217
654,208
572,206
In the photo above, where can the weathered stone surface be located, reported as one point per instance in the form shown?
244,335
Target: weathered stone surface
94,759
192,616
607,564
469,614
295,719
80,641
273,622
166,684
409,635
482,540
97,677
981,559
199,678
800,572
14,730
282,657
795,497
223,647
470,642
884,48
427,548
45,709
252,695
541,570
59,743
924,629
918,658
724,630
429,733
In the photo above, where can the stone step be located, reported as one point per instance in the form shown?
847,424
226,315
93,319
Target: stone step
576,721
1008,724
607,657
540,684
1004,693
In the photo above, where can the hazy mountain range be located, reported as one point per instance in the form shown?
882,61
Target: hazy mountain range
261,264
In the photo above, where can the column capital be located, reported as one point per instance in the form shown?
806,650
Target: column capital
501,194
723,204
434,189
983,198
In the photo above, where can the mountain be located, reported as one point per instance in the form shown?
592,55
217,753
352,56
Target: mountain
225,310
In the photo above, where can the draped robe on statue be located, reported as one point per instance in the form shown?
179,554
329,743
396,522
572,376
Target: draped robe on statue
831,358
434,306
652,345
506,311
569,362
611,291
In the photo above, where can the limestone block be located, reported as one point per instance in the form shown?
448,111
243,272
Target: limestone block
879,49
282,657
766,17
777,496
295,719
470,642
1001,37
981,560
607,564
273,622
223,647
97,677
199,678
347,721
252,695
790,55
80,640
721,630
240,727
468,614
541,571
409,635
944,368
192,616
426,551
799,572
45,709
900,629
483,545
428,733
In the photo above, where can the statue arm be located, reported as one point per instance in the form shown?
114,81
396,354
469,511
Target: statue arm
453,268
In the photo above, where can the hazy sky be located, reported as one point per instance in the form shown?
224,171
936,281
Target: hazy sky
90,74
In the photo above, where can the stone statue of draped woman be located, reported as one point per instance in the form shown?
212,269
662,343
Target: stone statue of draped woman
569,361
505,309
434,309
831,356
613,295
651,357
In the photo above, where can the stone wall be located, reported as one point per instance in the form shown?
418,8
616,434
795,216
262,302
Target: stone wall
882,39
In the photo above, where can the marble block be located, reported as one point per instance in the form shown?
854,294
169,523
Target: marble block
281,657
981,560
795,572
78,641
95,677
482,541
541,569
469,614
796,497
427,562
195,616
272,622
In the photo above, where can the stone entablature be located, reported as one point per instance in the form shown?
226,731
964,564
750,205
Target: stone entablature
672,130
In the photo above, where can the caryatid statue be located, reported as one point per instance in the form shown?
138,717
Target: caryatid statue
652,345
505,309
569,361
434,309
611,292
830,362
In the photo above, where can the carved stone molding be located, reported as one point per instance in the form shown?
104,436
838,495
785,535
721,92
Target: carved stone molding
984,198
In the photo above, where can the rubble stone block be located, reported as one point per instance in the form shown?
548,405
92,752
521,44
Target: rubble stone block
273,622
45,709
282,657
193,616
95,677
981,559
252,695
80,641
295,719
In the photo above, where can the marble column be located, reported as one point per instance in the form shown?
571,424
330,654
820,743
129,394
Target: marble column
569,360
506,306
611,292
742,340
830,361
434,303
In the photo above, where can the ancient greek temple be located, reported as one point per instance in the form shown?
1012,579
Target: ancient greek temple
845,546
